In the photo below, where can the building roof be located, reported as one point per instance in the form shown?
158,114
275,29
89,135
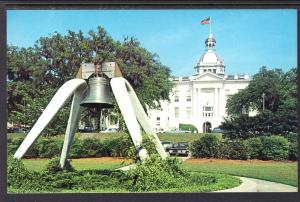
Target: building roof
210,57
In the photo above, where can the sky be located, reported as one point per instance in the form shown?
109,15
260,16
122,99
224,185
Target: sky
246,39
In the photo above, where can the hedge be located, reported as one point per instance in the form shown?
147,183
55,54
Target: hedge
264,148
188,127
46,147
274,148
207,146
255,147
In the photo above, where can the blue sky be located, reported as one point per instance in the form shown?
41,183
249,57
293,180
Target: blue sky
246,39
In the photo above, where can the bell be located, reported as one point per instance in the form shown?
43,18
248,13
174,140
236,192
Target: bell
99,94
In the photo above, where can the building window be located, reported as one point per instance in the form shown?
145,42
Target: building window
209,70
176,112
188,96
158,122
204,70
188,112
214,71
208,111
176,96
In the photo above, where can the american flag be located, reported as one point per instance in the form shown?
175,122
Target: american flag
205,21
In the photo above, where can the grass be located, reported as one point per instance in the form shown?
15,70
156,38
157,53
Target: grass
282,172
15,135
104,181
80,164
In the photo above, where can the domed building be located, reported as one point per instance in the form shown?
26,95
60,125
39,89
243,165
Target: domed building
210,61
199,99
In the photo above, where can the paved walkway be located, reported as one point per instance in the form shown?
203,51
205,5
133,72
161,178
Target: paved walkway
256,185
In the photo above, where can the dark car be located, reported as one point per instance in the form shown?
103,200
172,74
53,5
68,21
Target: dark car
217,130
179,149
167,145
86,129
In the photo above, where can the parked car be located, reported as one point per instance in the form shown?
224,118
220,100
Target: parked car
217,130
17,130
167,145
110,130
86,129
179,149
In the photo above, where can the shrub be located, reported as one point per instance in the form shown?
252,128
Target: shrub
20,178
16,172
224,150
274,148
75,149
155,173
47,148
13,145
255,147
293,151
206,146
188,127
54,166
90,147
237,149
119,147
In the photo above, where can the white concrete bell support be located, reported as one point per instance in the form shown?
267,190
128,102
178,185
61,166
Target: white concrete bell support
92,88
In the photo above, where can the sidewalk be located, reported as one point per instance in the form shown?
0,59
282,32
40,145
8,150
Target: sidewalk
256,185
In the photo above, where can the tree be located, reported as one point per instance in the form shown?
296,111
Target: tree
278,116
36,73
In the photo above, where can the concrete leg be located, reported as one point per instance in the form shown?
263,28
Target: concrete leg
144,120
126,107
57,102
139,112
72,123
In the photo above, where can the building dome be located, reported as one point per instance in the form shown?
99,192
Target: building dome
210,61
209,57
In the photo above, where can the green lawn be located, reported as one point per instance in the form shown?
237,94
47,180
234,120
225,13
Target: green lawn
80,164
15,135
282,172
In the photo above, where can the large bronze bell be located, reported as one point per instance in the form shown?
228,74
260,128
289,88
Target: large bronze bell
99,94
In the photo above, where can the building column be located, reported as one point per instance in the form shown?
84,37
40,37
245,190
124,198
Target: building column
219,101
222,103
194,102
216,103
199,104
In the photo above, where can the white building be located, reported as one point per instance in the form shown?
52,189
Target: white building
199,99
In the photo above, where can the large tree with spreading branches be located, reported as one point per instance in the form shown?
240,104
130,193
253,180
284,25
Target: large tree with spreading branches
273,95
36,73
